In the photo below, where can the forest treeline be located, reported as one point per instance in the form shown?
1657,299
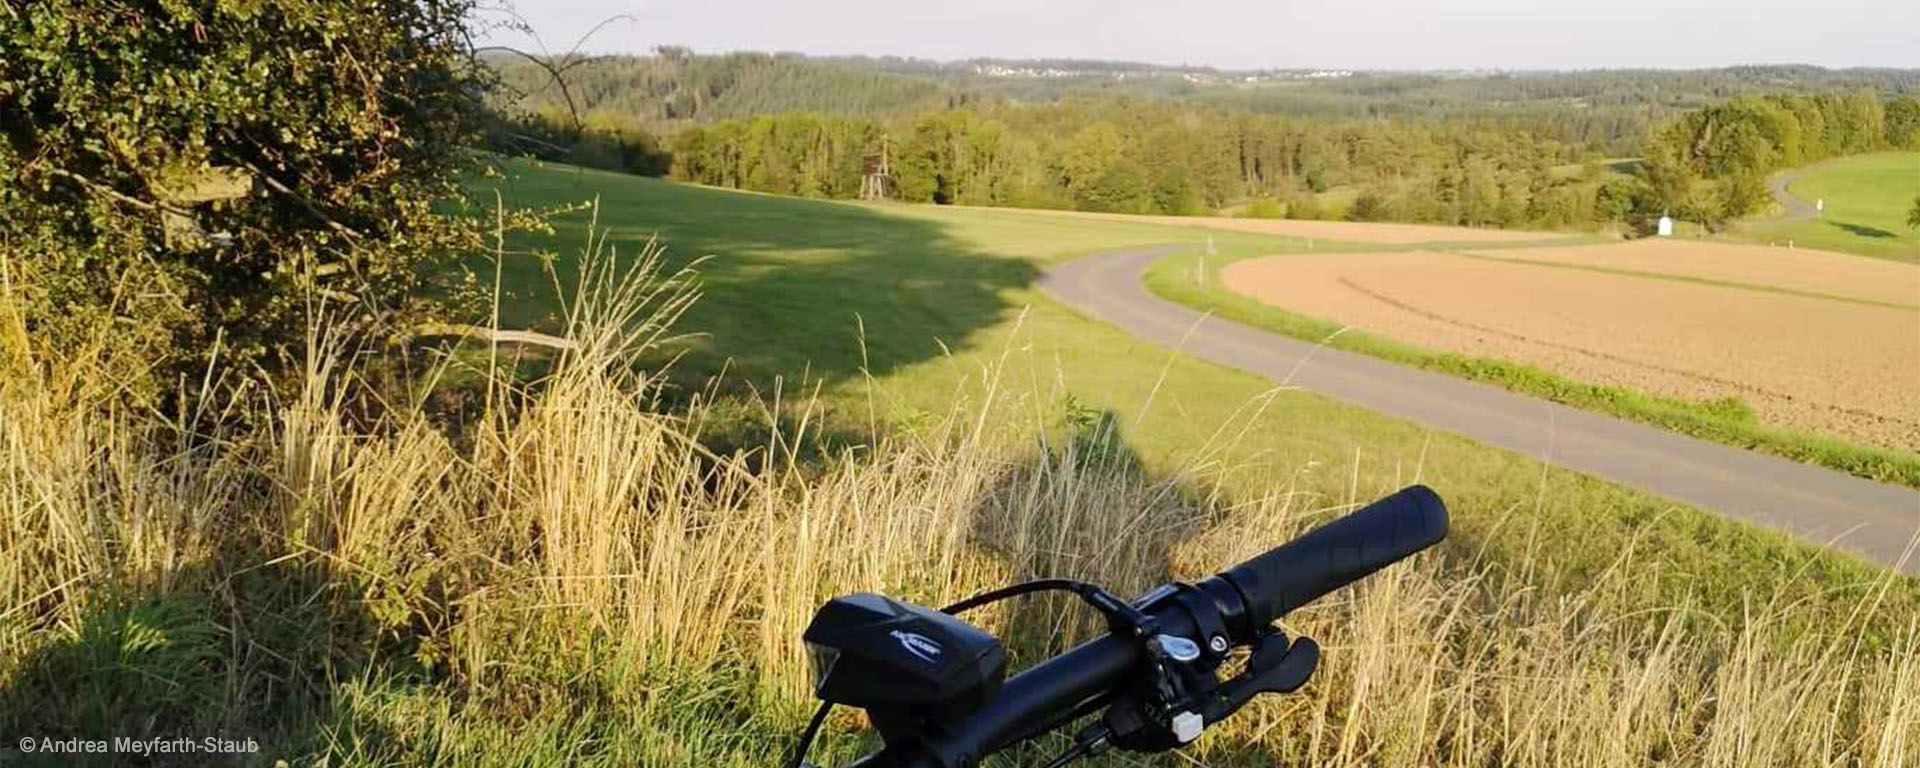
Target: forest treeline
1136,156
791,125
1133,156
675,85
1609,110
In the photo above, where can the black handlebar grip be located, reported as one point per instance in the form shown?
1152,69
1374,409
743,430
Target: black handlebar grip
1339,553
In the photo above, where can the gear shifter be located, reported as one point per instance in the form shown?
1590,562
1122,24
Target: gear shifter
1277,666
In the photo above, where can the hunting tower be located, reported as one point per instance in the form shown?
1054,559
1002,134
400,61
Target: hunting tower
877,181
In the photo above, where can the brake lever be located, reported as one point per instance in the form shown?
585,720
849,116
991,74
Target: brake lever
1277,666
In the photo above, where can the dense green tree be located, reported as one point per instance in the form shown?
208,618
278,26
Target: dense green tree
953,157
599,141
1122,188
1322,162
184,179
1903,123
1369,206
1088,157
1740,195
1174,192
1669,187
1614,199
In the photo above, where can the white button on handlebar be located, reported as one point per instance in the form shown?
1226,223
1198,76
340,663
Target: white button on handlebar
1187,725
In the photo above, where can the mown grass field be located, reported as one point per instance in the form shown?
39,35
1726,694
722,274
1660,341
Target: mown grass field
1867,200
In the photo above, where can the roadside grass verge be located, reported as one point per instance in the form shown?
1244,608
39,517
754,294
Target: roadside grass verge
568,577
1728,421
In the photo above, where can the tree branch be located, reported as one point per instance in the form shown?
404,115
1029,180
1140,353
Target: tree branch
491,335
304,203
116,194
567,61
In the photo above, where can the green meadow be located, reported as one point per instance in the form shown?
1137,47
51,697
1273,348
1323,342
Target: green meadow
1867,201
891,312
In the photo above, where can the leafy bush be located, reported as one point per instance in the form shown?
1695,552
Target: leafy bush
1263,208
1305,206
184,176
1369,206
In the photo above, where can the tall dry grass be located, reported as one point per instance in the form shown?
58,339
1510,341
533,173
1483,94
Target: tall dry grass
574,533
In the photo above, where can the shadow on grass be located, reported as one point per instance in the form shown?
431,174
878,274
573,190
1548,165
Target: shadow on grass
788,286
1040,507
1862,230
1076,526
240,661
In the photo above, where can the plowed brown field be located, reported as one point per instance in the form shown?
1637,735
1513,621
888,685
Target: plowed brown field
1845,361
1796,270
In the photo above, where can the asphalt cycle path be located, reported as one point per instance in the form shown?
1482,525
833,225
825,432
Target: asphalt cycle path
1792,208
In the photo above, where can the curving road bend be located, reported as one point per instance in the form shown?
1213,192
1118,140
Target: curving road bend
1875,520
1792,208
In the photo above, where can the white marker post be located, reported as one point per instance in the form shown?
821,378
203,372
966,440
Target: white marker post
1200,277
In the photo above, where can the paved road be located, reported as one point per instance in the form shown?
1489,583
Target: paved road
1820,505
1793,208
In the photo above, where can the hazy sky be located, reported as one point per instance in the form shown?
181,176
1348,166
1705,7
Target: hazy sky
1247,34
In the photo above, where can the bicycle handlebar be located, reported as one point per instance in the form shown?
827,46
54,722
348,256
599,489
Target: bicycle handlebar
1339,553
1247,597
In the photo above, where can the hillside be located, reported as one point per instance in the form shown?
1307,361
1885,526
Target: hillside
674,87
1523,150
1607,110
